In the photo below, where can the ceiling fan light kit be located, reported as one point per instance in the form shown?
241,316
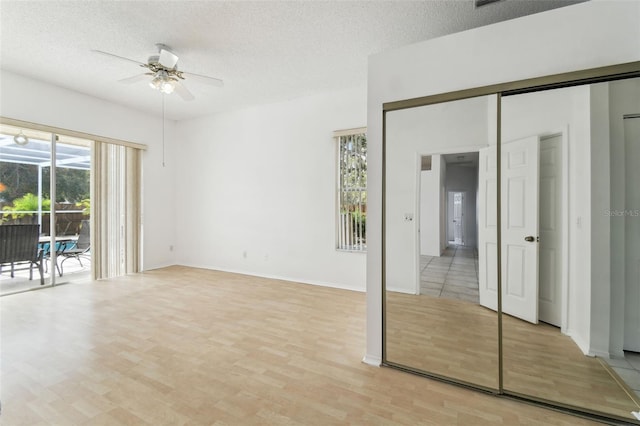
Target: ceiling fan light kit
162,82
165,76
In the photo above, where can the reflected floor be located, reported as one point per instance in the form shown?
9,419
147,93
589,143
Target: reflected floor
444,336
541,361
454,275
459,340
628,368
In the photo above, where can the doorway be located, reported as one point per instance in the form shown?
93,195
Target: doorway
455,217
447,231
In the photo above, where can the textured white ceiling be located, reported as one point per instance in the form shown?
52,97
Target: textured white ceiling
264,51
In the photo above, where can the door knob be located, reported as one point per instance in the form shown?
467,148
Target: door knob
530,238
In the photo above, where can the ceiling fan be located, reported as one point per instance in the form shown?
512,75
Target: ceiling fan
163,74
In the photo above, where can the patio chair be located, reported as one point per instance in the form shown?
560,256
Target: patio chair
81,248
19,244
46,253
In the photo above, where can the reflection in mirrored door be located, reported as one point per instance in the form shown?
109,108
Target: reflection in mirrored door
440,206
570,244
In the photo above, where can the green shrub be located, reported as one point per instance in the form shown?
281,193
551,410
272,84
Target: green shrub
27,203
359,219
86,206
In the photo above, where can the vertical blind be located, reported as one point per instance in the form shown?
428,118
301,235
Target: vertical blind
352,191
116,210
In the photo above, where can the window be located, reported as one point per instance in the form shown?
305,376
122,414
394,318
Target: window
352,190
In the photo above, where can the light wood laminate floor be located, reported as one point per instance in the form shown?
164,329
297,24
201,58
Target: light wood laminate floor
183,346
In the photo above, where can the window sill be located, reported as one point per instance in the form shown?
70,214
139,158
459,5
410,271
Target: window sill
342,250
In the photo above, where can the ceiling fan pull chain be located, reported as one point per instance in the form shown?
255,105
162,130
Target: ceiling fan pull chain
162,94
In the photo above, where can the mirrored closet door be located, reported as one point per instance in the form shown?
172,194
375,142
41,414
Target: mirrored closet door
440,189
511,240
570,179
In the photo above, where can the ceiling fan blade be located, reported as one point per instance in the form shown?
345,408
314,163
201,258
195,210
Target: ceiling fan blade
135,79
204,79
183,92
117,57
167,59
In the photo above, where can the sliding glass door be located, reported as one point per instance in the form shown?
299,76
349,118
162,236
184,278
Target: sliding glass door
85,211
71,186
54,201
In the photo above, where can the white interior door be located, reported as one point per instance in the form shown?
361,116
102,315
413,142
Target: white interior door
519,194
488,228
550,250
632,232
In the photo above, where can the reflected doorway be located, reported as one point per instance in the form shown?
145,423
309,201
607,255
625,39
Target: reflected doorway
455,217
448,244
448,266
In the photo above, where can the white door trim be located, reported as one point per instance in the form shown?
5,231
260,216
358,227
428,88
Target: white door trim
564,134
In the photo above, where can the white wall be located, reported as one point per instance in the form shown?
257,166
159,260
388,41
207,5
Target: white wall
30,100
260,180
257,190
430,208
600,182
586,35
624,98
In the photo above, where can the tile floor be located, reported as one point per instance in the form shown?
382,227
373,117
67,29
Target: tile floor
628,369
453,275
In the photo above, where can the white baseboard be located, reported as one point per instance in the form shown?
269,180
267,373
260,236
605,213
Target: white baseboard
372,360
599,354
279,277
584,347
401,290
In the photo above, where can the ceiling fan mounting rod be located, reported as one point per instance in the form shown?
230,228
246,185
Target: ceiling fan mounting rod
162,46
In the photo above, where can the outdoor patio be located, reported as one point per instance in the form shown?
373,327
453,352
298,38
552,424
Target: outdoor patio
73,273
